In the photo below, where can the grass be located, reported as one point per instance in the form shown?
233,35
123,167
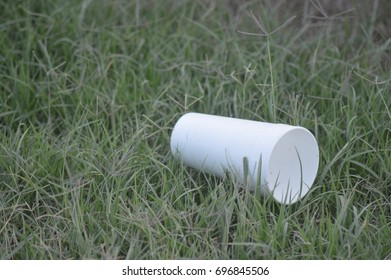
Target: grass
90,91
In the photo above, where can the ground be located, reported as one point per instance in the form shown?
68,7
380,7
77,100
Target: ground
90,91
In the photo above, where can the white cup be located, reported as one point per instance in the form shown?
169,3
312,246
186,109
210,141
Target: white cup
281,159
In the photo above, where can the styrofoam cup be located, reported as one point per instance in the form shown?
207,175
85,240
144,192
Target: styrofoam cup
281,159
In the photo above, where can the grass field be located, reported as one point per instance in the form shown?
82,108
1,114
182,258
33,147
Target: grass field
90,91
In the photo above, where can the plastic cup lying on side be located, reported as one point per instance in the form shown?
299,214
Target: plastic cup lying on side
281,159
